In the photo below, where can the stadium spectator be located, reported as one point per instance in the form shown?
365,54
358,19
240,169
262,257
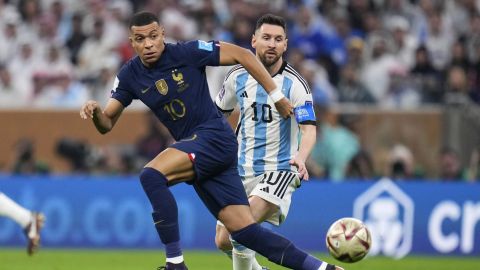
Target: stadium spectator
378,65
61,91
76,38
25,160
360,167
450,166
426,78
10,37
404,43
306,33
460,55
336,145
358,10
31,222
324,94
473,169
457,89
95,51
10,94
401,93
401,164
439,40
62,18
351,90
22,69
355,53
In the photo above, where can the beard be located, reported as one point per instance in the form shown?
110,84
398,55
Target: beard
269,61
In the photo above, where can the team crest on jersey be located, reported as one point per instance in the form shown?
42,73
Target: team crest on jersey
178,77
162,86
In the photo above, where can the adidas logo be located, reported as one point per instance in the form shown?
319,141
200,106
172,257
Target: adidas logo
265,189
244,94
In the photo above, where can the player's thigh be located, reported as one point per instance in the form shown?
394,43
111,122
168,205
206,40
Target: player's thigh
275,187
261,209
174,164
235,217
222,237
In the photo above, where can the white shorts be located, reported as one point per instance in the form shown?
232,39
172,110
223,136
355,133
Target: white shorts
275,187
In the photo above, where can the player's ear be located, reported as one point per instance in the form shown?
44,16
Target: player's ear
130,38
286,45
254,40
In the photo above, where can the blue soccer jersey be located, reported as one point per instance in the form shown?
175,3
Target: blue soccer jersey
175,89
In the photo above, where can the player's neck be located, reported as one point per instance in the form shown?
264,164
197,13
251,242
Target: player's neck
273,69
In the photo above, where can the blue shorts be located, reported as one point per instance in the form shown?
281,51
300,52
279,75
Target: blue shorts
213,151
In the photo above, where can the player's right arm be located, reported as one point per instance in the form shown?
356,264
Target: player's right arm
104,120
231,54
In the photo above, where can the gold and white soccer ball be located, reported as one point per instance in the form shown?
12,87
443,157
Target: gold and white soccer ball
348,240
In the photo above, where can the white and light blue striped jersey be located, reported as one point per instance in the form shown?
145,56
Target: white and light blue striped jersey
266,141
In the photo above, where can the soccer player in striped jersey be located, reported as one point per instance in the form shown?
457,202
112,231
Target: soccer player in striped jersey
271,151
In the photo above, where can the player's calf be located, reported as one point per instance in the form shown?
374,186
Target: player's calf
278,249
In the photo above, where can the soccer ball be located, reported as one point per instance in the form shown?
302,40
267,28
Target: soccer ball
348,240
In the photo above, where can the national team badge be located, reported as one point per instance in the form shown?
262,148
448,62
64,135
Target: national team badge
178,77
162,86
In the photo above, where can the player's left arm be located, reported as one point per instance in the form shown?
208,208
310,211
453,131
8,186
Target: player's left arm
308,139
301,97
231,54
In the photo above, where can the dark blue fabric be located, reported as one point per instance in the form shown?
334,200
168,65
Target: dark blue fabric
275,247
165,211
176,88
213,148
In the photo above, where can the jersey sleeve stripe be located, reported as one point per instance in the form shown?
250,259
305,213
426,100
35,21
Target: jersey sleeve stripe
290,70
222,110
235,68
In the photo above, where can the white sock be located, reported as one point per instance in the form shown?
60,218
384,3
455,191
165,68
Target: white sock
14,211
175,260
243,258
255,264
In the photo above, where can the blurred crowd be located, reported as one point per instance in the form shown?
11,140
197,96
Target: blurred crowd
394,54
391,53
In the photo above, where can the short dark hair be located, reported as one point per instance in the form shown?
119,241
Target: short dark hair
271,19
143,18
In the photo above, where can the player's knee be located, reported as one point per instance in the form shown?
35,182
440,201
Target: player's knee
222,241
150,177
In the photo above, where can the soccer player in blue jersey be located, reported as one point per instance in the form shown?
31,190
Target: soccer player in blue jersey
170,79
271,159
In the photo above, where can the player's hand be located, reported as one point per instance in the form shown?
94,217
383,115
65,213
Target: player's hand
284,107
302,169
88,109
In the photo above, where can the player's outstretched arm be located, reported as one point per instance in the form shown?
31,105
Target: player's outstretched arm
231,54
309,136
104,120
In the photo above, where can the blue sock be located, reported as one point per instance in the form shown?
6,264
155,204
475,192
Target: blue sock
275,247
165,211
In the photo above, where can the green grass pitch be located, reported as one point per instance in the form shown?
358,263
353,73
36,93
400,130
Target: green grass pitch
53,259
